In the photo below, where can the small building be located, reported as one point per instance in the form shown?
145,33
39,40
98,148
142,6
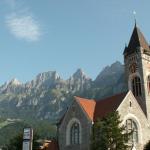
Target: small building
49,145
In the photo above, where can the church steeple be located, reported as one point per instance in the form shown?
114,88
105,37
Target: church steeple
137,68
137,40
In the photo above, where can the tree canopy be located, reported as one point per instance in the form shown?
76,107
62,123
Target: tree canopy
108,134
16,142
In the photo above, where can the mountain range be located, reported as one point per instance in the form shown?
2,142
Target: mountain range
48,95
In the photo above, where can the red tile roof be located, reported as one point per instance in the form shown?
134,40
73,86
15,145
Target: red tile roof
108,105
88,106
98,109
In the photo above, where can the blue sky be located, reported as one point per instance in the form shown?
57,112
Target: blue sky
63,35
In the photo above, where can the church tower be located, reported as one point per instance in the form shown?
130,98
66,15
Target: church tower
137,69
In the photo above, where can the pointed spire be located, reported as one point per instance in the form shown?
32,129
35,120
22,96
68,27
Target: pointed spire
137,40
135,22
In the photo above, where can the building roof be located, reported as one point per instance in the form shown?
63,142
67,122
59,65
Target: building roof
108,105
50,145
98,109
88,106
137,40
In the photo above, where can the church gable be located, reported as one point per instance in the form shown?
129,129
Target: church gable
75,127
130,104
131,112
88,106
76,110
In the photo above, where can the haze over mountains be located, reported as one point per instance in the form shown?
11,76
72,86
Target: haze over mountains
48,95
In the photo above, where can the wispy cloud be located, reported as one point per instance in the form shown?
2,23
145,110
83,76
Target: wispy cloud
22,24
23,27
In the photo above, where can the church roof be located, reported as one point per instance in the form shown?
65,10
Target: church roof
137,40
88,106
108,105
98,109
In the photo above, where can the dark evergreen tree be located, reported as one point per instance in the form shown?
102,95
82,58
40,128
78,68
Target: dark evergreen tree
147,146
108,134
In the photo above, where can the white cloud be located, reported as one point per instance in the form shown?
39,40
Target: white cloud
23,27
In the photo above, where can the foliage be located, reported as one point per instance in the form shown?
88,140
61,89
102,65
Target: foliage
9,131
16,142
147,146
108,134
44,129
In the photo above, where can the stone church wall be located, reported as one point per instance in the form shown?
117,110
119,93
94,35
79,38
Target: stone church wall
75,112
130,109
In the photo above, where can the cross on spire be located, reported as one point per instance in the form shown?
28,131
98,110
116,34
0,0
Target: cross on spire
134,13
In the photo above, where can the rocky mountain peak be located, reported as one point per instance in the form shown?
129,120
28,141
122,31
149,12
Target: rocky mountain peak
15,82
116,67
51,94
79,81
110,74
48,75
80,74
46,79
12,86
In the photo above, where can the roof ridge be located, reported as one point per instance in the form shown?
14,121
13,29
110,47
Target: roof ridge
77,97
117,94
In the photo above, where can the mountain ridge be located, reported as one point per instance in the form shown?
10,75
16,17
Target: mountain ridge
48,95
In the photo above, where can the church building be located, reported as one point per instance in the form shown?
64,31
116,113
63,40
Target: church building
133,106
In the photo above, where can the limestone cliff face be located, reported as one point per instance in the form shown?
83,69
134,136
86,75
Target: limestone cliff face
43,97
48,95
112,79
79,81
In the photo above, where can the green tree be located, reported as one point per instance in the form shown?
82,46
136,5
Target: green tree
16,142
147,146
108,134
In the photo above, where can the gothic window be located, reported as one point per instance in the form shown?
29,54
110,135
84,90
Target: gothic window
131,127
74,133
148,84
136,86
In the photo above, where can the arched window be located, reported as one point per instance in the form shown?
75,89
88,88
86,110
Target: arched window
75,133
131,127
148,84
136,86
